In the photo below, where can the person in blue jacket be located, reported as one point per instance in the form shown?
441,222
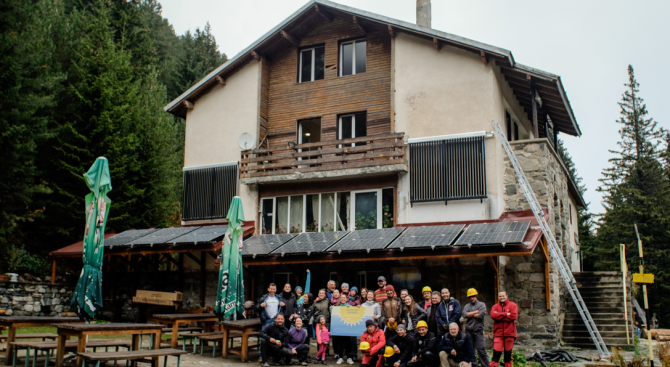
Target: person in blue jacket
455,348
448,311
300,293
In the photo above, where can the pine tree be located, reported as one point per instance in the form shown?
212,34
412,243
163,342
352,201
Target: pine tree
636,191
200,57
29,79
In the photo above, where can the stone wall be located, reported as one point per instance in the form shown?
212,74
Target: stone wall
523,277
34,299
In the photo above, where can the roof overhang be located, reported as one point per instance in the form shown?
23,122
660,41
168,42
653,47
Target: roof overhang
549,85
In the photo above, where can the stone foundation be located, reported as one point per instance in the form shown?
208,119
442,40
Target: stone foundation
34,299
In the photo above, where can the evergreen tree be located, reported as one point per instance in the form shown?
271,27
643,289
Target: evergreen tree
200,57
29,79
586,235
636,192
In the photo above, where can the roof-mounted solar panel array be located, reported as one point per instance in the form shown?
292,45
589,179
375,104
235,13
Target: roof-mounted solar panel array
367,239
202,234
428,236
310,242
162,236
126,237
265,244
493,233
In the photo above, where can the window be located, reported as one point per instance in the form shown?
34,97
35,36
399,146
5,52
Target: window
516,131
312,64
362,281
352,57
353,126
508,123
209,190
328,212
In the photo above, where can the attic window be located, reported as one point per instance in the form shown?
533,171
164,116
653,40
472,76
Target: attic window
352,57
311,64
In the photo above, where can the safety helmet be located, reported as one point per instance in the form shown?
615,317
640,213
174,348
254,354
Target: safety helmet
421,324
365,346
472,292
392,327
426,289
389,351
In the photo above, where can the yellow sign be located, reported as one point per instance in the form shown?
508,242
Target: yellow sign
643,278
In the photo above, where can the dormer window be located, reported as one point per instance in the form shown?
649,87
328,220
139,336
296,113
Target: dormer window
352,57
312,64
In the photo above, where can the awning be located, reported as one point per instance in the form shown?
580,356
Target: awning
159,240
452,240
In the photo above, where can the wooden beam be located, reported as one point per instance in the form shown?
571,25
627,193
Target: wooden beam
192,257
391,31
220,80
172,260
212,254
436,43
496,275
180,273
289,37
203,277
323,13
360,26
536,131
188,105
256,55
53,271
482,54
457,276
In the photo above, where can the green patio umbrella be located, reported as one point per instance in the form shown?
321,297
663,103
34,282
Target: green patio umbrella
230,293
87,298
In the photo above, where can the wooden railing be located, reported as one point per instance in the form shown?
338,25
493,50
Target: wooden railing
369,151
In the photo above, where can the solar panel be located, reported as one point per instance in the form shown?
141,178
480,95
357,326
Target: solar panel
428,236
265,243
127,237
494,233
162,236
202,234
367,239
310,242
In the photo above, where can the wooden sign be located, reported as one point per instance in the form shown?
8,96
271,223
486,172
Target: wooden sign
643,278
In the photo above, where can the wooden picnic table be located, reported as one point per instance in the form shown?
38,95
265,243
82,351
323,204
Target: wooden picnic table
82,331
175,319
246,326
14,322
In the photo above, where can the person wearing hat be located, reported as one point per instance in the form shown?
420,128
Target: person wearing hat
402,344
391,311
381,294
423,352
455,348
372,344
300,293
426,292
475,311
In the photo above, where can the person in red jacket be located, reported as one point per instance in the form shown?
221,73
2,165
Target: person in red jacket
504,315
377,341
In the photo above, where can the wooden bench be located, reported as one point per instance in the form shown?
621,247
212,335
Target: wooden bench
69,344
133,355
218,337
184,329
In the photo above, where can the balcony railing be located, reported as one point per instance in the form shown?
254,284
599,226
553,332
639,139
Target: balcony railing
366,151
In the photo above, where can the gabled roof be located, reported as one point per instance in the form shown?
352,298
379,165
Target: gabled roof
520,77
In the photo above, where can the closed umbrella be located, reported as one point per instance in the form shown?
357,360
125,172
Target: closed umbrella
230,294
87,298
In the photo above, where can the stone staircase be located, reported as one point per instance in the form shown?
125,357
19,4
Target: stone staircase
602,292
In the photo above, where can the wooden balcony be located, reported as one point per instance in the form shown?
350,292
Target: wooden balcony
375,154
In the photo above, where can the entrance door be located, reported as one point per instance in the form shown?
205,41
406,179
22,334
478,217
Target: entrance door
309,131
366,209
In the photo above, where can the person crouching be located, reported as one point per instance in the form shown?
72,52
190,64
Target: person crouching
456,348
372,344
272,338
423,353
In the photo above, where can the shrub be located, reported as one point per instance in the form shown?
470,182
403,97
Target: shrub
20,261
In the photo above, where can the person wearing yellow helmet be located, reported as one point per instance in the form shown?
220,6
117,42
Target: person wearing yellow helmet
424,352
475,311
426,293
402,344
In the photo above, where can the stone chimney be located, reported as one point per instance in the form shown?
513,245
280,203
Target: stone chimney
423,13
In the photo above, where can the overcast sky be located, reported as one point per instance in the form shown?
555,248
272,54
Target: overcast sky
588,43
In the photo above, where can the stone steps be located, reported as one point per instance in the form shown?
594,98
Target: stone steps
604,318
578,327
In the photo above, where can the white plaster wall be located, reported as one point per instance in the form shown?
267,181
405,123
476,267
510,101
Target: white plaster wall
447,92
218,119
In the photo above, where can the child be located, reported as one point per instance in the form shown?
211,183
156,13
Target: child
322,339
354,299
342,344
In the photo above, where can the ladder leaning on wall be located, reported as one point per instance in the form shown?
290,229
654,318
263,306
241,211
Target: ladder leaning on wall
554,249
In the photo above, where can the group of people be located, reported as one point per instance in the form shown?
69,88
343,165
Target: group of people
401,332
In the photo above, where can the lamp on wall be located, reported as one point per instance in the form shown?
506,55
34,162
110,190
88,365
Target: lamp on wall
291,144
307,133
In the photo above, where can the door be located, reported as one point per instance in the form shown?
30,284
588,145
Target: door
366,209
353,126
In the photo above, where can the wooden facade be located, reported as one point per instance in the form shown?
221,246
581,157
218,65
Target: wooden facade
290,101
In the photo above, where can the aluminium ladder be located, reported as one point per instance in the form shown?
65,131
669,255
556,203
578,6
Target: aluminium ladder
554,248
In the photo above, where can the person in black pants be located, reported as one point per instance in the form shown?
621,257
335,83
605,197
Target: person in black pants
403,344
423,354
272,339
